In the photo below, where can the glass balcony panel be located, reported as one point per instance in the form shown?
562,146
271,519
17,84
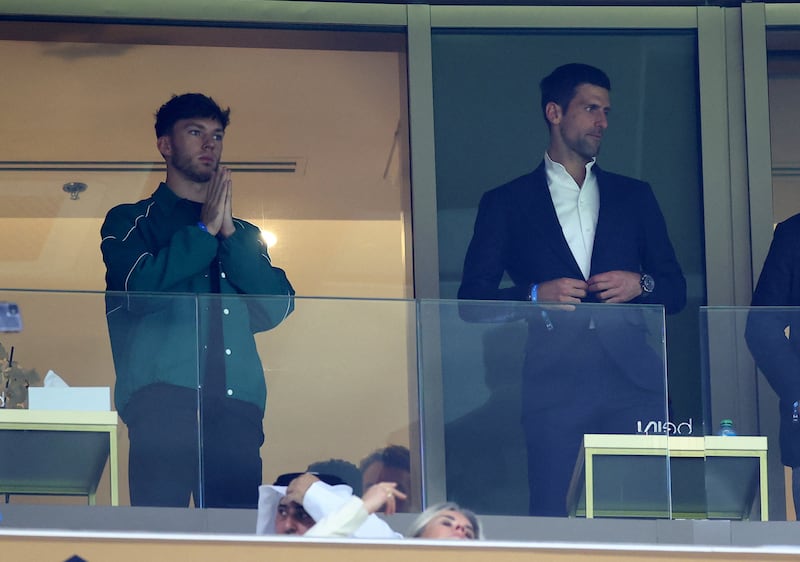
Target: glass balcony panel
341,379
737,401
523,383
83,366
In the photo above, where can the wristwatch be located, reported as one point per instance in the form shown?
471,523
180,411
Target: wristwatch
647,283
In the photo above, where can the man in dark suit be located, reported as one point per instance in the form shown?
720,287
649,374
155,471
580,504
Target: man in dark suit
572,233
777,356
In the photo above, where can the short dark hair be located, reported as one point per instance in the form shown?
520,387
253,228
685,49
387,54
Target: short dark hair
187,106
347,471
560,85
395,456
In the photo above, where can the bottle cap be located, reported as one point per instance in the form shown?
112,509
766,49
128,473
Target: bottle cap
726,422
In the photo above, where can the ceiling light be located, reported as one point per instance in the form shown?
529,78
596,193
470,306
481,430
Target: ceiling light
269,238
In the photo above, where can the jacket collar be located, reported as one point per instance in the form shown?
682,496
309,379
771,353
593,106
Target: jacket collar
165,198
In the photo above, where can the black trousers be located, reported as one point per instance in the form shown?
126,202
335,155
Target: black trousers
173,457
604,401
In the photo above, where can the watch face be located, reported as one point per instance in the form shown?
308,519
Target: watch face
647,283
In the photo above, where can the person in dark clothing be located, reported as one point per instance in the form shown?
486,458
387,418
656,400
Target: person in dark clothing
177,355
777,355
570,232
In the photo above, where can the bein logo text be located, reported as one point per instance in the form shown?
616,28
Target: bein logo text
657,427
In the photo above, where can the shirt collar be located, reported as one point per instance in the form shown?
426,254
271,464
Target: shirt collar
553,168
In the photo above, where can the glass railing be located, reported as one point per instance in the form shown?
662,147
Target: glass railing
341,377
516,386
745,478
506,408
341,387
69,390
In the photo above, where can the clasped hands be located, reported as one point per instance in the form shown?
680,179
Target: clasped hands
217,213
611,287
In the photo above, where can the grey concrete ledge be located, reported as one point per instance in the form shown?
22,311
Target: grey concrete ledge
19,517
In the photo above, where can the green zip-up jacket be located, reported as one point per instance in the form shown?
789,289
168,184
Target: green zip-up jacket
156,246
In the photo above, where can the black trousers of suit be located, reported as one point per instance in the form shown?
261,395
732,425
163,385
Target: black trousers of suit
605,401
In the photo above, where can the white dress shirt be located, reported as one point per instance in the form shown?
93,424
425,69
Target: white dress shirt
577,207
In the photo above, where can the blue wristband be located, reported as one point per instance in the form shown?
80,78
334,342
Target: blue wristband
202,226
535,298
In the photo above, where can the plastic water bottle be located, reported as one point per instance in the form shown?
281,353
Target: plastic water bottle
726,428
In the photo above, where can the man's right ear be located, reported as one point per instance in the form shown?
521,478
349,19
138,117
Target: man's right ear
164,145
553,112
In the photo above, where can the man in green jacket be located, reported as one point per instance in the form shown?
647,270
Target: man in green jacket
179,355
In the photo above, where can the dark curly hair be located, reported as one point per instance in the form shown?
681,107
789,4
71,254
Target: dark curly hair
187,106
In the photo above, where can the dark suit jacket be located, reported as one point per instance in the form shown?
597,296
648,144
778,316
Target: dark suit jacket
517,232
776,356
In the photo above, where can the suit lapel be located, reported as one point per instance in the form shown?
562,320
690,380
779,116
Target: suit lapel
545,220
608,208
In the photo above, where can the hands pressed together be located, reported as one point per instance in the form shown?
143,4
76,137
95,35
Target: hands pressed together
610,287
217,213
